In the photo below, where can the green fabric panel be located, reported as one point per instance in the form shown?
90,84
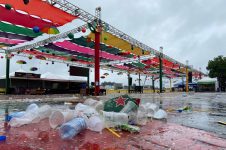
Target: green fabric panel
206,83
84,58
140,65
51,51
18,30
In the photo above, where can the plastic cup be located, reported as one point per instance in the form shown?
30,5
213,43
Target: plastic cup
95,124
112,119
130,106
58,117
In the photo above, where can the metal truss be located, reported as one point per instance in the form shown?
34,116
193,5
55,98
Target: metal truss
89,18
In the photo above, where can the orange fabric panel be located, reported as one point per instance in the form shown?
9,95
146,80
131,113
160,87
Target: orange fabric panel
41,9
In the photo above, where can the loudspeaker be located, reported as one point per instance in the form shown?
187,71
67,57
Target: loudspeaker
130,80
92,83
189,77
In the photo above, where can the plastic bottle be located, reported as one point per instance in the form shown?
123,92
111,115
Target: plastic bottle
72,128
112,119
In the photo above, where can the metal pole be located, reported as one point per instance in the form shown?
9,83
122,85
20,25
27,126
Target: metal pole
153,84
160,69
187,89
128,83
97,63
7,86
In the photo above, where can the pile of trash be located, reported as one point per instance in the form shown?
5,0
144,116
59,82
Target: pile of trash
120,113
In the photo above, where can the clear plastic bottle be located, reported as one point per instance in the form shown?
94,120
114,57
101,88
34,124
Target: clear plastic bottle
72,128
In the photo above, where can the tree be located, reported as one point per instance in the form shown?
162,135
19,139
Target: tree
217,68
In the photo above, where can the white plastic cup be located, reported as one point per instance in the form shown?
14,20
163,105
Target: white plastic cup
130,106
58,117
90,102
112,119
141,116
44,111
95,124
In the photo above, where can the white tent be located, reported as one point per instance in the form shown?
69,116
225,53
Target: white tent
207,80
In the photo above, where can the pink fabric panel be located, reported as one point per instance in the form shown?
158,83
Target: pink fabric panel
10,41
74,47
16,18
122,67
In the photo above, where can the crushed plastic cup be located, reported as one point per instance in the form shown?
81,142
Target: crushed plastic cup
17,122
72,128
81,110
90,102
44,111
58,117
30,116
32,108
99,106
160,114
151,108
16,115
141,116
130,106
95,123
112,119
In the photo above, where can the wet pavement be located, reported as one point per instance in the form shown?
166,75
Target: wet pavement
195,128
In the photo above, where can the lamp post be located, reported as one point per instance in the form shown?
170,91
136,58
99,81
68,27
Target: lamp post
160,68
187,89
7,57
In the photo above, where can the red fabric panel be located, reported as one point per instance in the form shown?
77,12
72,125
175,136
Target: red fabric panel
34,53
42,9
16,18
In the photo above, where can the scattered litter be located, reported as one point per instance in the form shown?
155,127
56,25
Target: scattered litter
130,128
2,137
221,122
160,114
72,128
113,132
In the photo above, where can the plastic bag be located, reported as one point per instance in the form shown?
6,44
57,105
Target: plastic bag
160,114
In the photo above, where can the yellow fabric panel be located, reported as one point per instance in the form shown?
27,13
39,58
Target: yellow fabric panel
118,43
2,46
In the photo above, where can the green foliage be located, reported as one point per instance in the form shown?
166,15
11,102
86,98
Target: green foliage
217,67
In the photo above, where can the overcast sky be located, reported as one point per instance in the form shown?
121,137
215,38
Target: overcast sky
193,30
